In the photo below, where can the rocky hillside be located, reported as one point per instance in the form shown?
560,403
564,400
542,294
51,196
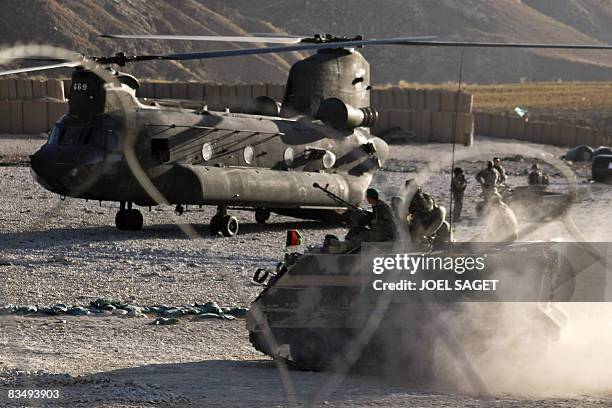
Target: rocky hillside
75,24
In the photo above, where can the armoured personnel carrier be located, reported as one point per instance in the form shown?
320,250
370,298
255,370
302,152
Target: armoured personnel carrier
321,311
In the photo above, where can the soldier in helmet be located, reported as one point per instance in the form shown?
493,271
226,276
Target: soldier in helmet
536,178
488,179
426,221
458,186
500,170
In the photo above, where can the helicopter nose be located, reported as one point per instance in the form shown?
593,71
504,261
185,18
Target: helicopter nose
47,172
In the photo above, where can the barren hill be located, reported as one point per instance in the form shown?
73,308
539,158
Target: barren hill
75,24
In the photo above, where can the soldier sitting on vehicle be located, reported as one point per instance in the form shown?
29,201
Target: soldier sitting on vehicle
375,226
425,220
536,178
488,179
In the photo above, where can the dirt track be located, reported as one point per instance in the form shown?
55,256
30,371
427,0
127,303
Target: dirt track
126,362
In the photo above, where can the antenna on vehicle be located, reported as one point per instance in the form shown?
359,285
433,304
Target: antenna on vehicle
455,130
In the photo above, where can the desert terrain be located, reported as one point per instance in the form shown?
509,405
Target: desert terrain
69,252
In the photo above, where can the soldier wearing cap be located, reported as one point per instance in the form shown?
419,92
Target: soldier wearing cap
382,223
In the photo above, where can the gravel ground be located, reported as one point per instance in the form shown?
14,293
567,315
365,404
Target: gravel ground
69,251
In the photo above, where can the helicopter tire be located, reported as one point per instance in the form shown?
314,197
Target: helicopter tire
262,215
133,220
121,220
229,226
215,224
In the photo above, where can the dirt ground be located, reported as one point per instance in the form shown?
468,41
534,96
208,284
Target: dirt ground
69,251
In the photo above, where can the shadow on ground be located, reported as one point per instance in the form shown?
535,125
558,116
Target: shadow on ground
82,235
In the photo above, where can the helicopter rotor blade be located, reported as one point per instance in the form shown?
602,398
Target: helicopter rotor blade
405,41
269,39
40,68
273,50
477,44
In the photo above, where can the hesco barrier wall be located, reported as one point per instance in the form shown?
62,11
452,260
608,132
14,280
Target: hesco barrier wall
32,106
506,127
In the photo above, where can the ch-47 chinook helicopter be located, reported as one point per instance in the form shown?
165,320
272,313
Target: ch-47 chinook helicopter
266,160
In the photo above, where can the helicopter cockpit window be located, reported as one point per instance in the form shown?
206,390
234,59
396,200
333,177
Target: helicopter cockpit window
78,136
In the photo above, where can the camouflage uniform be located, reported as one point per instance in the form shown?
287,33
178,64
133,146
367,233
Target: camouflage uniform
382,227
382,224
501,173
488,179
534,178
458,186
427,220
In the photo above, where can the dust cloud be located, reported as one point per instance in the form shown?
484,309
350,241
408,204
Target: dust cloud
509,355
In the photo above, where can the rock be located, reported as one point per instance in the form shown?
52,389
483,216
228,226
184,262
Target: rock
78,311
238,311
27,309
212,307
101,303
134,313
110,308
175,311
46,310
119,312
60,308
6,309
162,321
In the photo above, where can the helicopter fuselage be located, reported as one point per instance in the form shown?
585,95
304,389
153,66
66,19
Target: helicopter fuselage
147,151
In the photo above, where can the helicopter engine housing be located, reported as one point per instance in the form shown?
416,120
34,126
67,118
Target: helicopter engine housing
330,73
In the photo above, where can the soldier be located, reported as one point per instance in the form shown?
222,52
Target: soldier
500,170
426,221
536,178
488,179
381,223
458,185
502,225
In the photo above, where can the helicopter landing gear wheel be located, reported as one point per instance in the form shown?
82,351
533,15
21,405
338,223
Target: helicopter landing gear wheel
121,219
224,223
129,219
262,215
